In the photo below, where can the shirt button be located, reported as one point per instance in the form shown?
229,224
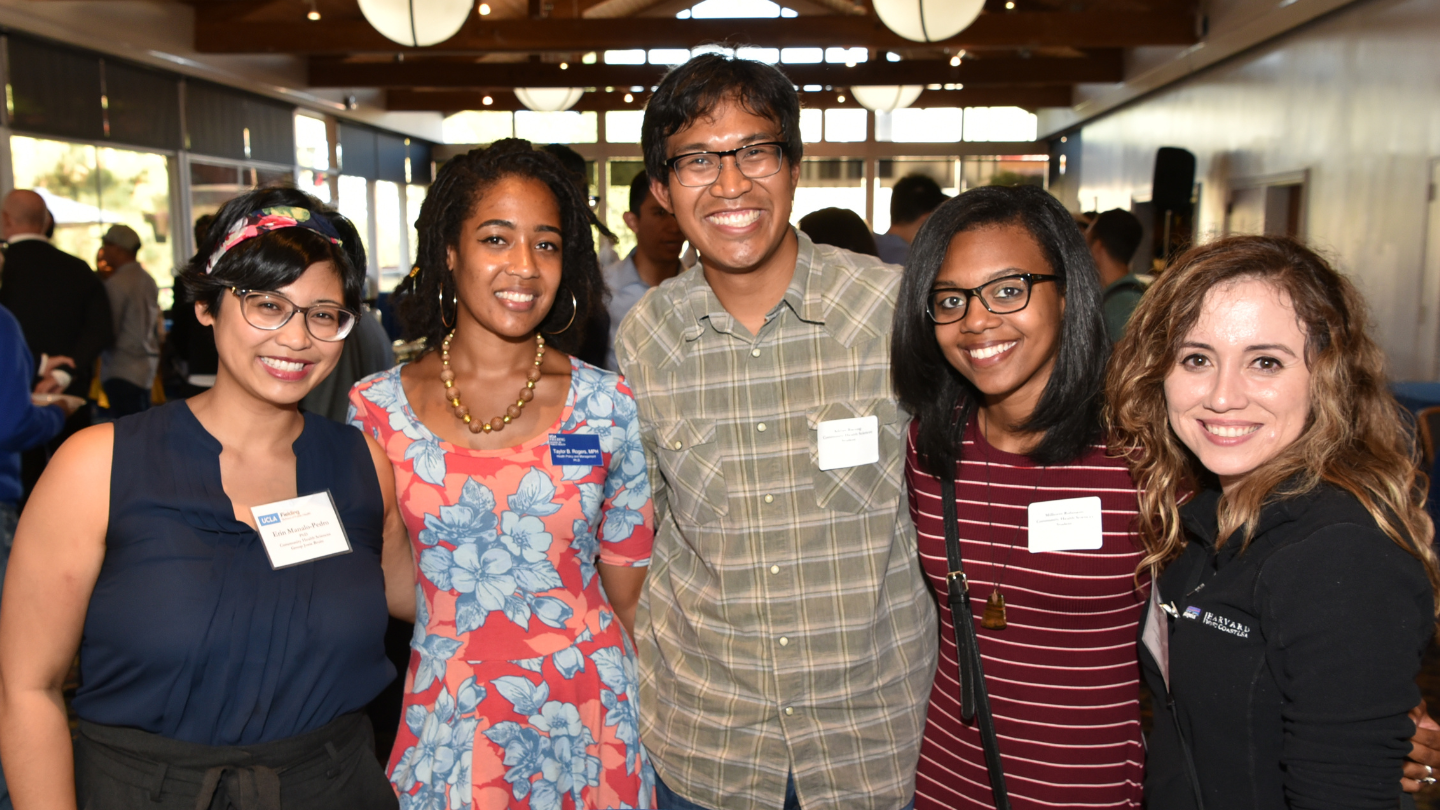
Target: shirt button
784,641
679,444
774,569
769,499
754,352
760,427
789,711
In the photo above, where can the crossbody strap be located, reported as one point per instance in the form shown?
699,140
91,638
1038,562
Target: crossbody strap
974,700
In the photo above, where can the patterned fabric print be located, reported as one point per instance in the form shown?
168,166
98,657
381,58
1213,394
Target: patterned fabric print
522,689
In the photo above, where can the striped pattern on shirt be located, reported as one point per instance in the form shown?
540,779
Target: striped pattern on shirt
1063,676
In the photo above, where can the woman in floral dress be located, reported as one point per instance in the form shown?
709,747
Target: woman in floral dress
521,478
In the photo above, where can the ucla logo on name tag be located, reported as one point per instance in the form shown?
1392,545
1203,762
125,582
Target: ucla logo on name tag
269,520
575,450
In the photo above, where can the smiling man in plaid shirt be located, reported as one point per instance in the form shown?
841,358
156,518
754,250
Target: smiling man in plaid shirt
787,642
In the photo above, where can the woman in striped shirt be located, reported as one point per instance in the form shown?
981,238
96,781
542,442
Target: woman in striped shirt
999,351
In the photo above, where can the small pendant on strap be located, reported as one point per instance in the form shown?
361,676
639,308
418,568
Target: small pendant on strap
994,618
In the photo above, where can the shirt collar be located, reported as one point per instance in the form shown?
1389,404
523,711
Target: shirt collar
623,273
29,237
802,296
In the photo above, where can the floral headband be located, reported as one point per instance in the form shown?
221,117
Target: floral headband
272,219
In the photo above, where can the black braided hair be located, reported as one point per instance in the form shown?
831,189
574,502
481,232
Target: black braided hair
452,199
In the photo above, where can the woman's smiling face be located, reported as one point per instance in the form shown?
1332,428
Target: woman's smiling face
1239,392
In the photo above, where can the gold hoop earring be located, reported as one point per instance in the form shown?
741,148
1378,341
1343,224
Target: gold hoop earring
453,304
574,308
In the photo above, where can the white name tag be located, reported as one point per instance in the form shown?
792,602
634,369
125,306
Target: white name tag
1069,525
301,530
848,442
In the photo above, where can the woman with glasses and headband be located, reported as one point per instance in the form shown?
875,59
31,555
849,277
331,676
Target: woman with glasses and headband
999,351
520,473
223,564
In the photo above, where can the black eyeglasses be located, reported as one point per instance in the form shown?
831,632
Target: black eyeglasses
754,160
1001,296
271,310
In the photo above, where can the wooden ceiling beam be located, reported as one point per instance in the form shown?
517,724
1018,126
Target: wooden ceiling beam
1103,66
447,101
218,31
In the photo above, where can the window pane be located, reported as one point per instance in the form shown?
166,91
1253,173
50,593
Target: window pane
355,207
768,55
135,191
623,126
802,56
919,125
68,177
1000,124
556,127
312,143
669,56
478,126
830,183
630,57
388,224
316,183
1005,170
845,126
414,198
842,56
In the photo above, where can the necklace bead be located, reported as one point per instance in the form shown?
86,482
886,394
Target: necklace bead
498,423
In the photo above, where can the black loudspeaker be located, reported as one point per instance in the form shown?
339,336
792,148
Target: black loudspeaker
1174,180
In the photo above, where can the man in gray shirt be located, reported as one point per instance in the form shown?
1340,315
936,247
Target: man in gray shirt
127,369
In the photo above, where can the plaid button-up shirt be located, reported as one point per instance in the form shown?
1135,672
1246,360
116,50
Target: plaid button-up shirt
786,625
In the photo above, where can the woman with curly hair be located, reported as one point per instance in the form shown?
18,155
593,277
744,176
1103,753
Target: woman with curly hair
1279,493
520,474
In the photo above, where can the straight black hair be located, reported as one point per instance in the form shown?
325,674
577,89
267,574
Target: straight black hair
1068,413
1119,232
697,87
271,260
639,190
457,189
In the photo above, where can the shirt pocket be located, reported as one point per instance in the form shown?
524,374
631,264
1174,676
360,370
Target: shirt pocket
694,470
864,487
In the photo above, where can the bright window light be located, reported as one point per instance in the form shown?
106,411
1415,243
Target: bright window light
802,56
557,127
312,144
669,56
842,56
711,48
914,124
844,125
633,57
1000,124
891,56
768,55
623,126
717,9
811,122
478,126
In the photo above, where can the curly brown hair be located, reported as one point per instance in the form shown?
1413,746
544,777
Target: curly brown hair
1355,437
452,199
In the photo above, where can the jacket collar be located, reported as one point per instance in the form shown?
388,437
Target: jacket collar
1201,519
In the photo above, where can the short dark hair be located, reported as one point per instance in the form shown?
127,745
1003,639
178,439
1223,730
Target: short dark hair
271,260
1068,412
1119,232
840,227
699,86
914,196
573,162
457,189
639,190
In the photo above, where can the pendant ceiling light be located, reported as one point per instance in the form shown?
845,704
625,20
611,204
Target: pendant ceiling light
416,23
549,99
886,97
928,20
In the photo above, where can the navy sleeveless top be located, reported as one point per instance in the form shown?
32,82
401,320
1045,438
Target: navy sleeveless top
190,633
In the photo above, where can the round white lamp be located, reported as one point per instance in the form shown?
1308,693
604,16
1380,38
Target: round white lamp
886,97
416,23
928,20
549,99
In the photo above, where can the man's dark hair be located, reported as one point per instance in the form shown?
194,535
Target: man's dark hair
914,196
573,162
697,87
840,227
1068,413
457,189
1119,232
268,261
639,190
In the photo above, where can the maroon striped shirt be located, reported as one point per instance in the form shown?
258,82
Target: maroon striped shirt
1063,676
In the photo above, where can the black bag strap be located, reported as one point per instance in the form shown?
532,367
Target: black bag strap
974,700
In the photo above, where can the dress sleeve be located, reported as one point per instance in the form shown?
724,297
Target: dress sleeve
1347,614
627,526
358,414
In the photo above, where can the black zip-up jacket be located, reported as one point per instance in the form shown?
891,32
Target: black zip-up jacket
1292,664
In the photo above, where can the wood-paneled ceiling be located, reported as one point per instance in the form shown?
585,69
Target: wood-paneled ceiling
1030,54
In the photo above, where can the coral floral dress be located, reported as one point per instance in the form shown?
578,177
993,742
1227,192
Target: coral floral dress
521,690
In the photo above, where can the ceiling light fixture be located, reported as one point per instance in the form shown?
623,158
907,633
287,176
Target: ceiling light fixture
487,101
416,25
928,20
954,61
840,98
549,99
484,9
629,98
564,65
885,98
314,13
